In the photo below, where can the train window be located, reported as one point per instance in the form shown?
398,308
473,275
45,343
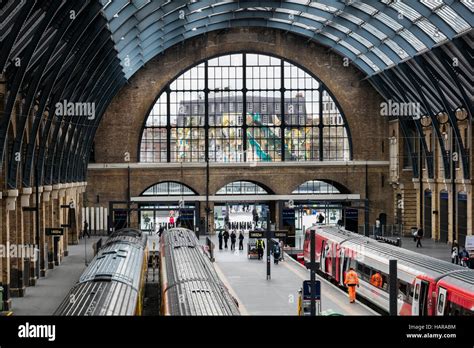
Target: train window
440,303
363,271
417,291
404,289
385,281
457,310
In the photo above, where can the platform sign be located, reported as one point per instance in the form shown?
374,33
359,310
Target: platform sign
257,234
307,297
54,231
288,217
280,234
186,214
307,290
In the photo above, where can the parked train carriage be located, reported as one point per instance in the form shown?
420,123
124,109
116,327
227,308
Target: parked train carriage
113,284
455,294
337,250
190,285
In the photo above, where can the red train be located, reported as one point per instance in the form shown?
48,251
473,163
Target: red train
427,286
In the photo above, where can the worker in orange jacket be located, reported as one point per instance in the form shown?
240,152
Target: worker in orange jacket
376,280
352,280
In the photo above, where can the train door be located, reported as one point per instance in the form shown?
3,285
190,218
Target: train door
442,300
343,265
323,258
334,261
420,297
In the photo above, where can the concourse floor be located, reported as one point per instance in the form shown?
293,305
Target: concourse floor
50,291
246,279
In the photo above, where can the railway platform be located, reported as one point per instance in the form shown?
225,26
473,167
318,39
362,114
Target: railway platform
50,291
246,280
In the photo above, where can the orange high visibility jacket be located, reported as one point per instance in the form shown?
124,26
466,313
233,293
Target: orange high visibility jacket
351,278
376,280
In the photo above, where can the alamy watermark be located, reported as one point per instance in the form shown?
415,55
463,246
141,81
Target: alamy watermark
18,251
75,109
400,109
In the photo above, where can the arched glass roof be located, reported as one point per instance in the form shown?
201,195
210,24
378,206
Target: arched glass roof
417,51
374,35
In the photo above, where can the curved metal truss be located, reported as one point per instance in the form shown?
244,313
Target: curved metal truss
53,51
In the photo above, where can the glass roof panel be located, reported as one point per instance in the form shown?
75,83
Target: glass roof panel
382,56
349,47
412,39
361,39
374,31
453,19
395,47
389,21
369,63
469,4
431,30
339,27
404,9
364,7
351,18
322,7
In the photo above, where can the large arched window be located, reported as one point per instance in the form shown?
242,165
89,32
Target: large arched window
249,107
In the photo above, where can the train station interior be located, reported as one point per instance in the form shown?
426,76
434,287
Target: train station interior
217,116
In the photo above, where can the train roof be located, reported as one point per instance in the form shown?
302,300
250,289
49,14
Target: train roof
110,285
434,267
194,287
99,298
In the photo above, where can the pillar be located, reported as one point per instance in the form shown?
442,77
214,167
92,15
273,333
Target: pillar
59,221
7,206
45,222
70,216
54,222
17,281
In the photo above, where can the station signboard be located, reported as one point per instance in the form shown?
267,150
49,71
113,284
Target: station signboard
54,231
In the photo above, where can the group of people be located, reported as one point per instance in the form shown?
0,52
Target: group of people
224,237
459,257
276,250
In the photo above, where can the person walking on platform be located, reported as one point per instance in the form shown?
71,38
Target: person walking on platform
320,218
351,281
376,280
419,235
86,230
276,253
226,238
464,257
219,236
241,241
161,230
233,238
260,247
455,253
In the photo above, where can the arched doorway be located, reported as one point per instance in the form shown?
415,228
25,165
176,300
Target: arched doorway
443,216
462,218
169,204
315,207
243,212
